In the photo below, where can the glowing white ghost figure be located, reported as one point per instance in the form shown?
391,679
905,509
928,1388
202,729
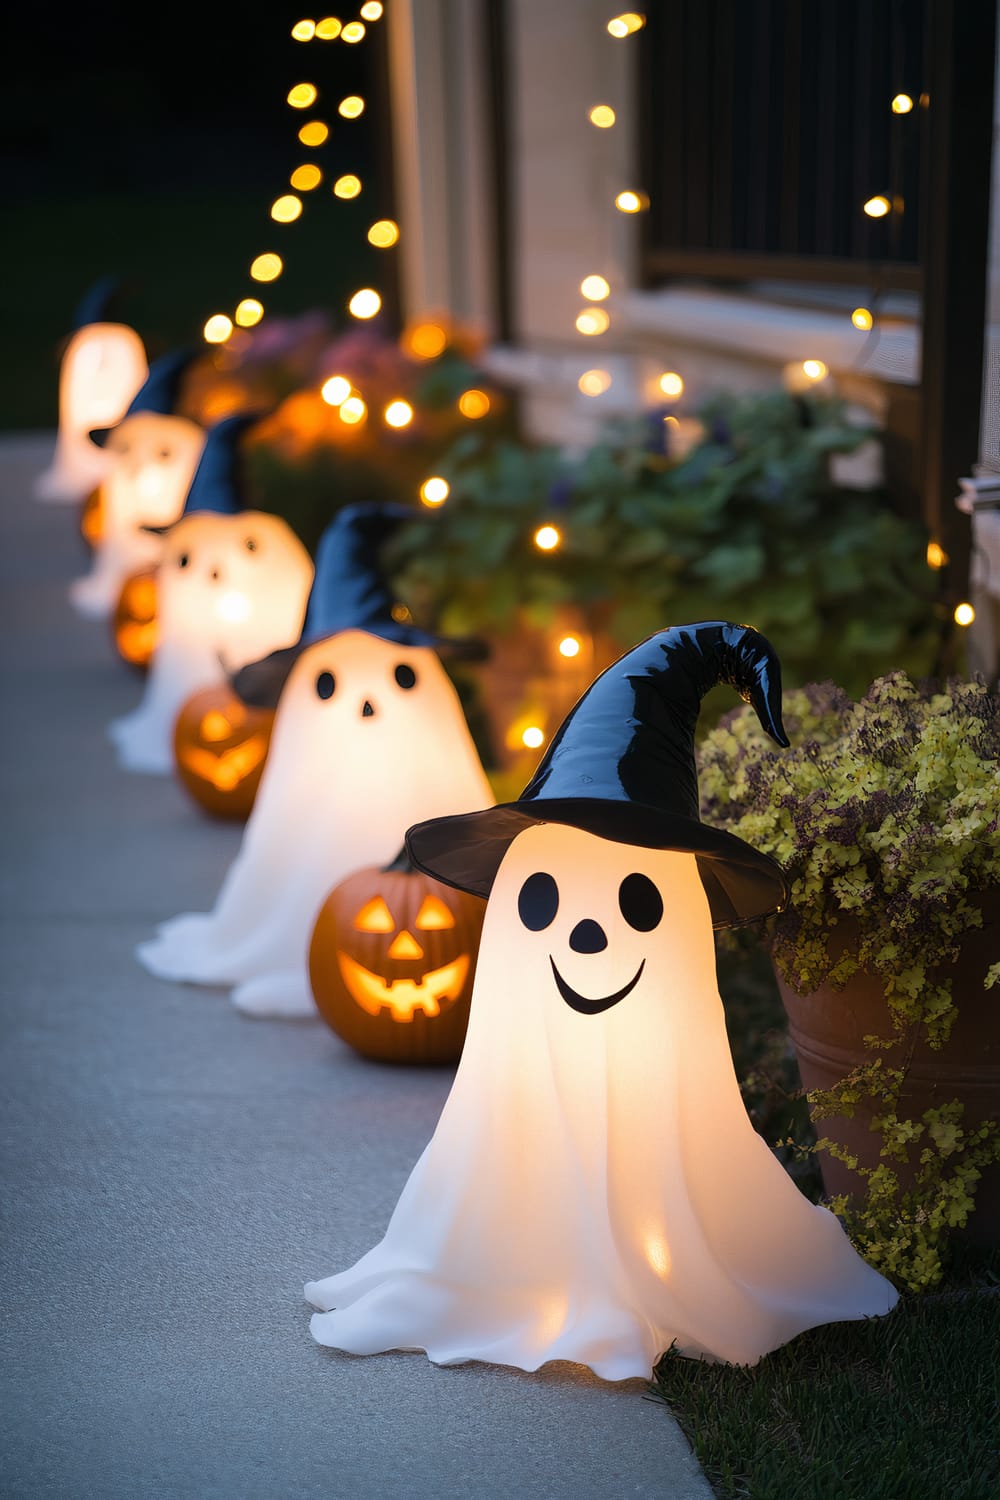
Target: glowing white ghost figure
594,1190
153,461
230,589
102,368
369,736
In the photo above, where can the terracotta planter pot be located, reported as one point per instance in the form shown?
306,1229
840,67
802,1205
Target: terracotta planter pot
828,1028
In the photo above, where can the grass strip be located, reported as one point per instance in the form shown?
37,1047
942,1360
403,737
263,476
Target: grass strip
905,1407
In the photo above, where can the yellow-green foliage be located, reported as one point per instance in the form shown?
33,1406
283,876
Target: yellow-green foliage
885,814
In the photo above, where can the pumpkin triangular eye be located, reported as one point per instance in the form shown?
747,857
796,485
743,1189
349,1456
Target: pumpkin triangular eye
433,914
374,916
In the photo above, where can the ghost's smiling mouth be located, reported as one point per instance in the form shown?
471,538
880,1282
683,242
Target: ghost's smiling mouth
587,1007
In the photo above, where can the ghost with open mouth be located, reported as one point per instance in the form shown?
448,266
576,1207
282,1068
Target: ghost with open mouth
594,1190
369,736
232,584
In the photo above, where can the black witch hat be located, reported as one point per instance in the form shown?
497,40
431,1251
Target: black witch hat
622,766
219,481
95,304
349,592
159,392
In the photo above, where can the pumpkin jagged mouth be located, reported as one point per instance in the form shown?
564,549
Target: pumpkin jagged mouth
404,997
586,1007
227,770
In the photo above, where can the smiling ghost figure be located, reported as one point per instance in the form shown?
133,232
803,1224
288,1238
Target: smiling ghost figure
594,1190
369,736
153,453
102,368
232,585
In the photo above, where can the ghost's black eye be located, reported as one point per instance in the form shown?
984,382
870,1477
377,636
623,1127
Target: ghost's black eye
183,560
250,543
538,902
640,902
405,676
325,684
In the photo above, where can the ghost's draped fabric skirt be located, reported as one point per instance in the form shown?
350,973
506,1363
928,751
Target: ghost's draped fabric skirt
594,1190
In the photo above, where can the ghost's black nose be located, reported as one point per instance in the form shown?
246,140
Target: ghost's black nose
588,937
214,575
367,711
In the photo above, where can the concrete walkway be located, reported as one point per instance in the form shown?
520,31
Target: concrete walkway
173,1172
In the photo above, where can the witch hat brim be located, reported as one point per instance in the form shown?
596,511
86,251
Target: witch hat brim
261,683
466,850
622,766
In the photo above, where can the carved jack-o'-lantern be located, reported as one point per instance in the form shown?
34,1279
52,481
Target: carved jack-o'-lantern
391,963
92,517
220,746
134,627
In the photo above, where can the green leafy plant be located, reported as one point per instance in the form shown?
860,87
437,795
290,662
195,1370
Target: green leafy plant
885,815
749,524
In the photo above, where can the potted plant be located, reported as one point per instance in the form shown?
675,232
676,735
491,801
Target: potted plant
885,813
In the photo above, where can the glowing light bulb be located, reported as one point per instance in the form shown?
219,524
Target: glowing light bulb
266,267
902,104
218,329
936,555
347,186
302,95
473,404
964,614
306,177
569,646
335,390
314,133
813,369
383,233
594,288
286,209
303,31
877,207
594,382
628,22
351,107
533,737
426,340
592,320
398,414
233,607
546,538
353,32
353,410
249,312
671,384
862,318
630,202
602,115
371,10
435,491
328,29
364,304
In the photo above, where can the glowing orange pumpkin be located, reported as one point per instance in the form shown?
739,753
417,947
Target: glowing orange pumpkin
220,746
92,517
133,623
392,959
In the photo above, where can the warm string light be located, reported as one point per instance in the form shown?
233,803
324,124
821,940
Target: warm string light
937,557
287,207
878,207
547,538
861,318
435,491
629,22
671,384
964,614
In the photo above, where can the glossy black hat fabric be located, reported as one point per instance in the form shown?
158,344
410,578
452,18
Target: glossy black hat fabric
159,392
349,592
622,766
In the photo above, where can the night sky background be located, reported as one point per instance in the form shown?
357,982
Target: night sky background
148,145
